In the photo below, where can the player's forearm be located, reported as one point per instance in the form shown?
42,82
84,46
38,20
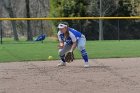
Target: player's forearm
73,46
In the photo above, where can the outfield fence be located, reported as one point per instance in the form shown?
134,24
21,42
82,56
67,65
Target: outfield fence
94,28
73,18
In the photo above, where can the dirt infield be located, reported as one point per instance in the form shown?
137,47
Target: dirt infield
118,75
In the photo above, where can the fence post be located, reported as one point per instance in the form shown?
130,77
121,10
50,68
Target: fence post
1,32
101,33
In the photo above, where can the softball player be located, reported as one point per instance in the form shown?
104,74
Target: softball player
69,39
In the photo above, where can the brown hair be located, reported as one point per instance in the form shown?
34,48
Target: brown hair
67,32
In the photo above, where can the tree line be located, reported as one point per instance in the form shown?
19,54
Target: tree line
112,29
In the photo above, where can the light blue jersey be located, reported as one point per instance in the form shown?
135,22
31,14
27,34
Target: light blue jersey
74,36
76,33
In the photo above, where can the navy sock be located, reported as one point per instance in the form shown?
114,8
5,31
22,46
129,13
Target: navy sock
84,55
63,58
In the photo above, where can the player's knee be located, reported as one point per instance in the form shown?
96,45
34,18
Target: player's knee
60,52
81,48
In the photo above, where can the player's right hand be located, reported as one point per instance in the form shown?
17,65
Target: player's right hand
60,47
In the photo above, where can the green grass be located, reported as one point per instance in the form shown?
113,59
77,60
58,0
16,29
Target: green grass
34,51
115,49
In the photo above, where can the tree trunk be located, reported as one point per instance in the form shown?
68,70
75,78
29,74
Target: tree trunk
8,7
1,32
14,28
29,31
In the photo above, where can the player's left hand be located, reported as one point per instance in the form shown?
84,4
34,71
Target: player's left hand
69,57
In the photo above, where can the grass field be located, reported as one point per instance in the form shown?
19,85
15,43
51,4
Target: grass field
34,51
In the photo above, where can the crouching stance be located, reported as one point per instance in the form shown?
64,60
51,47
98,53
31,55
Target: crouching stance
69,39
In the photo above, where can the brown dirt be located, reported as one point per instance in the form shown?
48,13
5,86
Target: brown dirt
117,75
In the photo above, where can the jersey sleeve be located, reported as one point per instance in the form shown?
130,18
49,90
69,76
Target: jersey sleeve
72,36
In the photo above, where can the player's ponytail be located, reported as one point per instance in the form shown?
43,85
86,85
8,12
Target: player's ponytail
67,32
